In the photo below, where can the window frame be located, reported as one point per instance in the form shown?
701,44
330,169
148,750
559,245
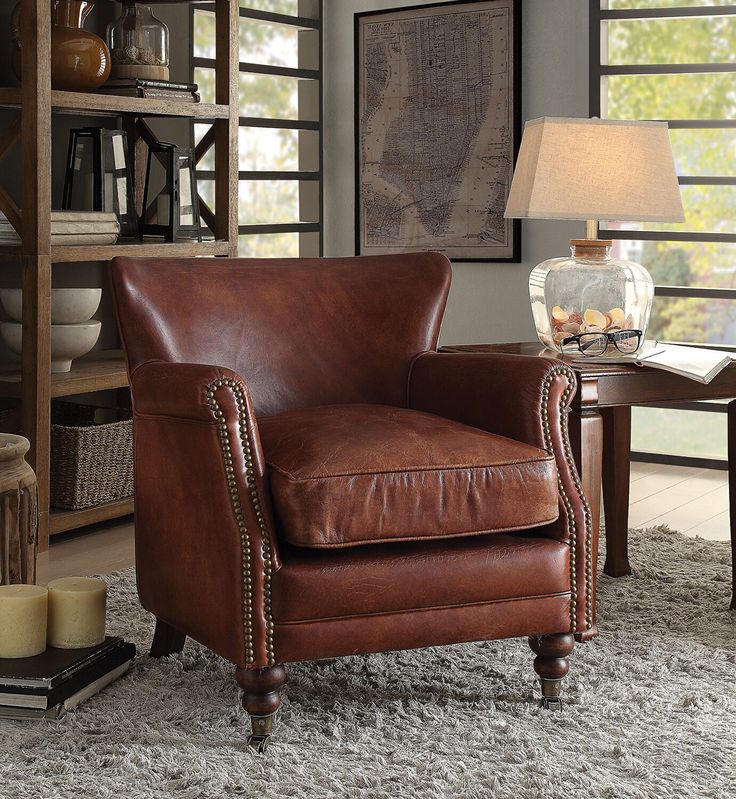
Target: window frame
598,72
252,68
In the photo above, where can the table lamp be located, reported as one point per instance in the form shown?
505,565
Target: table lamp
593,169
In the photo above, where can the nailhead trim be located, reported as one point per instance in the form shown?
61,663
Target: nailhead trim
240,400
570,375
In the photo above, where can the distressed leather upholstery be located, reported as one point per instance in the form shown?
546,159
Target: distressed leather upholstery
409,476
286,403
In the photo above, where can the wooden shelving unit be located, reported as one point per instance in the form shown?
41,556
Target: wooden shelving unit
36,102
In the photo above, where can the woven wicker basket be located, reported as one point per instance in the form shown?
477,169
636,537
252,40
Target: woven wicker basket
91,457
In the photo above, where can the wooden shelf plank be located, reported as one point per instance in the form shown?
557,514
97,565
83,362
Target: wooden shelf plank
180,249
60,521
99,371
92,104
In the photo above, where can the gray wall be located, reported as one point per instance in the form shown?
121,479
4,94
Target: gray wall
488,302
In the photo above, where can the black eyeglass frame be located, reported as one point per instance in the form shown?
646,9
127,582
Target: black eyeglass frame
611,338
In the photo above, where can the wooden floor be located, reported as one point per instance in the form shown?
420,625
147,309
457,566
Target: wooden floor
100,549
693,501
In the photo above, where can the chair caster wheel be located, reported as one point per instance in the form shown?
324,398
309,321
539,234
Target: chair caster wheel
262,727
259,742
551,694
549,702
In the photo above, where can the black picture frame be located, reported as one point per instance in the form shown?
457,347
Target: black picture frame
514,226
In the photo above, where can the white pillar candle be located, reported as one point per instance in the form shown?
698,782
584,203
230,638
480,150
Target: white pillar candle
22,620
76,612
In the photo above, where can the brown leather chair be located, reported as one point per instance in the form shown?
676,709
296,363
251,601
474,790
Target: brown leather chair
313,479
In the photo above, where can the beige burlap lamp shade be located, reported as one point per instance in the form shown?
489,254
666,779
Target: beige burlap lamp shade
595,169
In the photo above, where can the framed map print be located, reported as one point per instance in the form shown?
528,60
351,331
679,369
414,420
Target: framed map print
438,124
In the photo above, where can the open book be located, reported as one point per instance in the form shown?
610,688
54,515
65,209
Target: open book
695,363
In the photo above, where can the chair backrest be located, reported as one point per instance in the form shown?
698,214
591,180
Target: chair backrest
301,332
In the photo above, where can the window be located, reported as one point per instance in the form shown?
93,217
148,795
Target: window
280,136
675,60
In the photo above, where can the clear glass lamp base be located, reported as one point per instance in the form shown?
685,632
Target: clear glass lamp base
588,292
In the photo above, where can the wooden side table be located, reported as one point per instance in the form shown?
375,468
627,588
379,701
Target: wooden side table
600,434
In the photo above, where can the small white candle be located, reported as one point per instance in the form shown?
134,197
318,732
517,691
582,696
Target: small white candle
22,620
76,612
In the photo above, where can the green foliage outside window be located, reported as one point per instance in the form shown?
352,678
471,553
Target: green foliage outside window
290,7
261,96
709,209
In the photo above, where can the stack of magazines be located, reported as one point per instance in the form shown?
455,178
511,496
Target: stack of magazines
47,685
141,87
71,227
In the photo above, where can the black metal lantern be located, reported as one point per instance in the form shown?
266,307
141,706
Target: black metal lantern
170,204
98,176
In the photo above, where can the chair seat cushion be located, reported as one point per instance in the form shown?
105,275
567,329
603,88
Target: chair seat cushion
344,475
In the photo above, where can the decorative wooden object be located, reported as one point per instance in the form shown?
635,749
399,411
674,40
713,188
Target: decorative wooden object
34,385
18,512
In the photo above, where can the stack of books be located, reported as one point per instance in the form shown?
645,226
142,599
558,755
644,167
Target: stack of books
47,685
71,227
141,87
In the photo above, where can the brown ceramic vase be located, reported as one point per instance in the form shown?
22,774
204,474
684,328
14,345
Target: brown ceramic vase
79,60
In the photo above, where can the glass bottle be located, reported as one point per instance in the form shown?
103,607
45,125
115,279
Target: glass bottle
139,44
589,292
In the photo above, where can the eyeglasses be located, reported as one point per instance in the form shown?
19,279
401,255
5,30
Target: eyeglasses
626,342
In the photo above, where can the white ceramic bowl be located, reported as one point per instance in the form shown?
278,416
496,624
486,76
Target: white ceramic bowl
67,341
68,306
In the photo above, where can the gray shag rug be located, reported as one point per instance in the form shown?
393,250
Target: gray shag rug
651,711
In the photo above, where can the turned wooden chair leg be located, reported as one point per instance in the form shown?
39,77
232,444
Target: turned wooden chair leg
551,663
261,699
167,640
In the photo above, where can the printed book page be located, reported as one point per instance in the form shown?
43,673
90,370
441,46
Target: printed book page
697,363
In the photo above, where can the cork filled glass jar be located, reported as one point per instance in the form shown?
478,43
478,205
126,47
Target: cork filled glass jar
588,293
139,44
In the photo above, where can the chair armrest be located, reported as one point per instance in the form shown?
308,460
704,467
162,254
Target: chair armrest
177,390
205,542
525,398
499,393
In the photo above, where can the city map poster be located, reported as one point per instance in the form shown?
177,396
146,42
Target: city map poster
438,123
